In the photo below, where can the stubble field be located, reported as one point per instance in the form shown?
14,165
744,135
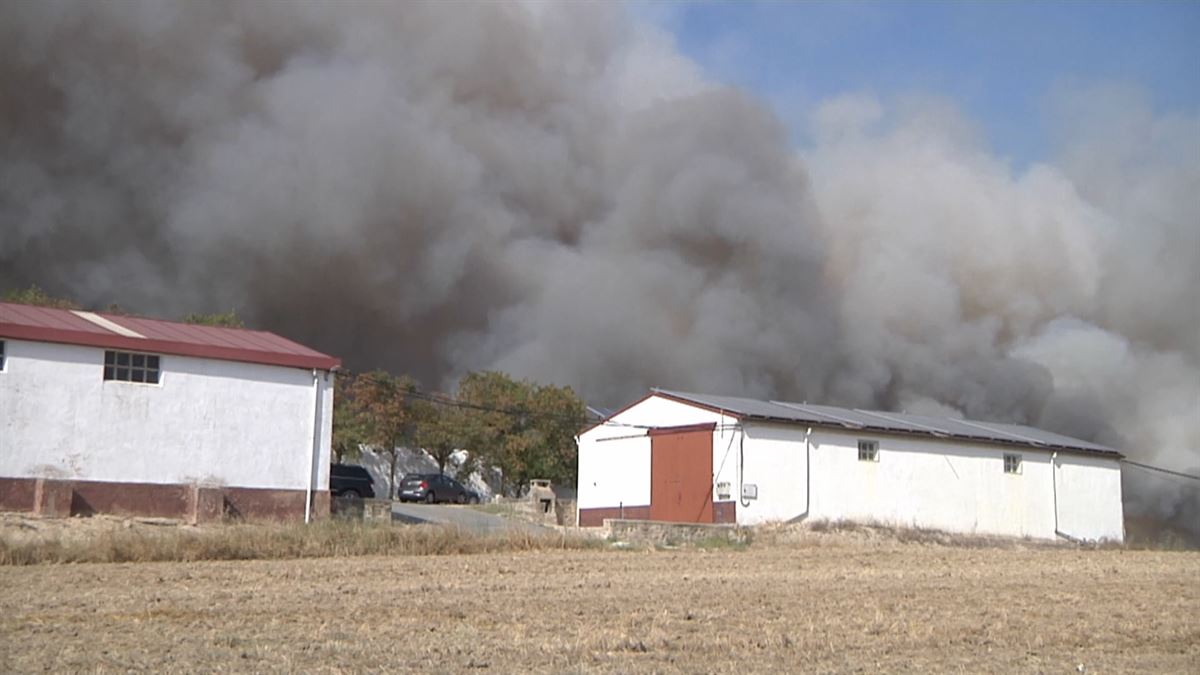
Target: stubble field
828,604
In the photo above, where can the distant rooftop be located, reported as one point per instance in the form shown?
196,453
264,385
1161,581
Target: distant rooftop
115,331
890,422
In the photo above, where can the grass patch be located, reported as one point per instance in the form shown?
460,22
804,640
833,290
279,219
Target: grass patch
324,539
721,544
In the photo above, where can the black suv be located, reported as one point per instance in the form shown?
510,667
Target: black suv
349,480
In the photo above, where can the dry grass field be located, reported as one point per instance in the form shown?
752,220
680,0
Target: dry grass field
832,602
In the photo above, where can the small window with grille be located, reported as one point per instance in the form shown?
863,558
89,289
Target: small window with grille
868,451
1012,463
131,367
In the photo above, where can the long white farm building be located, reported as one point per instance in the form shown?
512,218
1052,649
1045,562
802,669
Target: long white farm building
680,457
104,413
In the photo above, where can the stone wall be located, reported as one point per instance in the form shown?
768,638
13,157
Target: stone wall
655,532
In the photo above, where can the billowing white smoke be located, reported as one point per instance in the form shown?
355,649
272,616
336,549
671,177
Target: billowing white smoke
1063,295
554,191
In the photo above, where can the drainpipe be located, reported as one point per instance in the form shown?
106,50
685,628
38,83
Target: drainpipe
742,466
807,472
316,447
1054,487
807,477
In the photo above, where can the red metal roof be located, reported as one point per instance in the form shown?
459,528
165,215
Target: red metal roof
113,331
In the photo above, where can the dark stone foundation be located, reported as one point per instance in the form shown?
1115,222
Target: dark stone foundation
55,498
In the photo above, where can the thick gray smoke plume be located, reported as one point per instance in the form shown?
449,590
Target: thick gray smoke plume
553,191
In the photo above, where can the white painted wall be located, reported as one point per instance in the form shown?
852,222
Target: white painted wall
614,472
773,461
614,459
1080,514
962,487
654,411
207,421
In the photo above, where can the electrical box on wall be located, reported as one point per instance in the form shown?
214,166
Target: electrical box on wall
723,490
749,491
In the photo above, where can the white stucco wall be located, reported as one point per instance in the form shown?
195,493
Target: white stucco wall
1081,514
951,486
614,472
654,411
207,421
614,459
942,484
772,461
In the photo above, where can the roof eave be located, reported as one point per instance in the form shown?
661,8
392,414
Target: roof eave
114,341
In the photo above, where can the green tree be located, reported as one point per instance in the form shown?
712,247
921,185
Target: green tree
382,401
524,429
441,429
228,319
36,296
349,433
558,416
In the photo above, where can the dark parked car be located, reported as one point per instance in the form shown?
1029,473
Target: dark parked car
350,481
432,488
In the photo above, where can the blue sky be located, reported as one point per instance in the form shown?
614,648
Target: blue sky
1000,62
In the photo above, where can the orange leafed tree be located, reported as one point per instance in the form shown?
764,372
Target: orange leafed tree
385,412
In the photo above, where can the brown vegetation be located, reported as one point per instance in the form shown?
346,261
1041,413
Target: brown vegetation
107,540
816,602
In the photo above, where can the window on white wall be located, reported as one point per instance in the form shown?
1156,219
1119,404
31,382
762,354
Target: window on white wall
1012,463
131,367
868,451
1,355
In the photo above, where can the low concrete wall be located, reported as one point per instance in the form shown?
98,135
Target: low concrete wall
366,510
566,512
656,532
377,510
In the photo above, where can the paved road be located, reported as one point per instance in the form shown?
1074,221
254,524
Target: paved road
462,516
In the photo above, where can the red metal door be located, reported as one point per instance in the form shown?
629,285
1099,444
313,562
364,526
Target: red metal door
681,465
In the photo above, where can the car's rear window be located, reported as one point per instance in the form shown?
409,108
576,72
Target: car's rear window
350,471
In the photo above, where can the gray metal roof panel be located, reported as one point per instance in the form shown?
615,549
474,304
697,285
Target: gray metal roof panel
744,407
940,427
1049,438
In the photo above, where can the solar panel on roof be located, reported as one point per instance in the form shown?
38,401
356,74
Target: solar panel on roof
900,423
827,414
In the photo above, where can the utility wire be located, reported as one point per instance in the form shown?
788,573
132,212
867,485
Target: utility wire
1159,469
582,421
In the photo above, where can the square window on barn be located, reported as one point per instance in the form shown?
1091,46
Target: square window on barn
131,367
868,451
1012,463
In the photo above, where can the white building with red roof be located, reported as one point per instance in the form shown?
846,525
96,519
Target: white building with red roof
104,413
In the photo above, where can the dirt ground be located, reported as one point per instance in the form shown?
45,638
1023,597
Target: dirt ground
829,604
